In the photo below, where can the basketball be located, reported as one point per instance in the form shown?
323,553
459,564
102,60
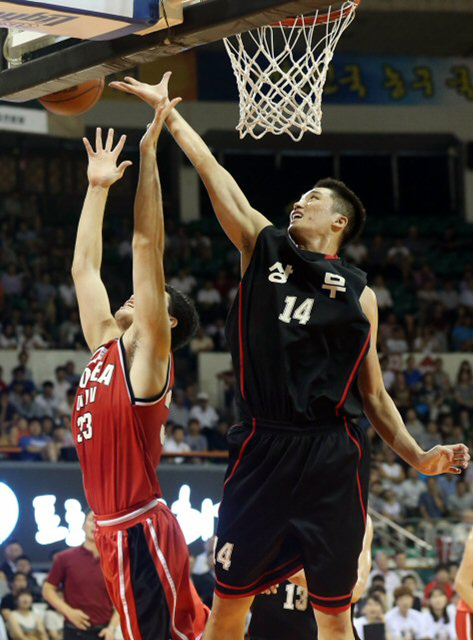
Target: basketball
75,100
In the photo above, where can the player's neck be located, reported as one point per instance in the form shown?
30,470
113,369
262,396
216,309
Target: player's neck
319,244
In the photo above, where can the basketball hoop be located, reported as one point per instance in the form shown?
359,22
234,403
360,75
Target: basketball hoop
281,70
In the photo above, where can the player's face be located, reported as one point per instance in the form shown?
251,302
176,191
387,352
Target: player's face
124,315
312,213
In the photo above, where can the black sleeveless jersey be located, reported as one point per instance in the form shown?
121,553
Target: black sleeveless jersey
297,333
285,614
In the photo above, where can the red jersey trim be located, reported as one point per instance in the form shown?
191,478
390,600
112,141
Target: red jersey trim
240,340
358,481
352,374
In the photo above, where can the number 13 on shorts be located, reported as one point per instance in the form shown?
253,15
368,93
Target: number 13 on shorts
224,556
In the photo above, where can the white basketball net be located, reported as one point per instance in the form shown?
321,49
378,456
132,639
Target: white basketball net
281,86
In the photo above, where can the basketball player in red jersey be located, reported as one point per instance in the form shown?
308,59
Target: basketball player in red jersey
122,404
303,335
464,588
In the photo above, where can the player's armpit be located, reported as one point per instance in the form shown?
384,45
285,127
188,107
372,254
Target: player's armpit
97,322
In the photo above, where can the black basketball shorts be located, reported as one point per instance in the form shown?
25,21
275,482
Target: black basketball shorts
294,497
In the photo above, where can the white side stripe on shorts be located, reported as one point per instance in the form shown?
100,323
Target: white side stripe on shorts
163,562
468,626
121,575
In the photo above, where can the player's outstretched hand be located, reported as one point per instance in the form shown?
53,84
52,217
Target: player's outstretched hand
103,169
153,130
152,94
271,591
452,458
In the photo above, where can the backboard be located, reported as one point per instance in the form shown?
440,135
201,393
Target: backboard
70,61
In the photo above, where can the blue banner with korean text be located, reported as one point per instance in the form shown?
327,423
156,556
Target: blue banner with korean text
359,79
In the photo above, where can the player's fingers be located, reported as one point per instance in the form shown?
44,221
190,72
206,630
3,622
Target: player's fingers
132,80
98,139
120,144
88,147
122,86
169,107
454,470
124,166
109,141
165,79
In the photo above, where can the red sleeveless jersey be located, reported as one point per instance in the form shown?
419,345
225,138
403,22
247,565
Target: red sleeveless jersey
118,437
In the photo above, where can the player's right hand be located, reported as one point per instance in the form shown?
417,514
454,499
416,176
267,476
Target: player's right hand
152,94
103,169
79,619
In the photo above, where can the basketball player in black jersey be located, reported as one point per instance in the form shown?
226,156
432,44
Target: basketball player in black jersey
303,334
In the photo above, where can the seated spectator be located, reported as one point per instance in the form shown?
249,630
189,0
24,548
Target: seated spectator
201,342
413,424
217,437
466,293
440,617
194,438
175,444
71,374
413,582
11,552
179,411
391,471
461,500
27,407
441,581
61,385
412,374
372,614
70,331
18,583
33,446
403,621
383,295
8,337
204,412
47,400
426,340
381,569
23,565
448,296
431,436
463,390
32,338
409,492
431,503
23,622
441,377
216,331
19,376
447,483
392,508
183,281
462,332
430,399
356,252
65,408
62,445
397,343
401,394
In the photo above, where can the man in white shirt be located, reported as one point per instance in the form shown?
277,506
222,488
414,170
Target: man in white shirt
409,492
204,412
176,444
391,580
403,622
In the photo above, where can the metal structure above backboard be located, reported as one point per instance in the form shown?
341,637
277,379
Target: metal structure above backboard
203,23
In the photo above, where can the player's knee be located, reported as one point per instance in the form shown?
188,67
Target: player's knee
231,611
334,625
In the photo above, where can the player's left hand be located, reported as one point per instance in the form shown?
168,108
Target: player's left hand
103,169
153,130
452,458
107,633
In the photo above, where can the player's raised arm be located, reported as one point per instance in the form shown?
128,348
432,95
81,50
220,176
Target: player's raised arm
240,221
149,341
386,419
96,318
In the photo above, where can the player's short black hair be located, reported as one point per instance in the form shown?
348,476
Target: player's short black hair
347,203
183,309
